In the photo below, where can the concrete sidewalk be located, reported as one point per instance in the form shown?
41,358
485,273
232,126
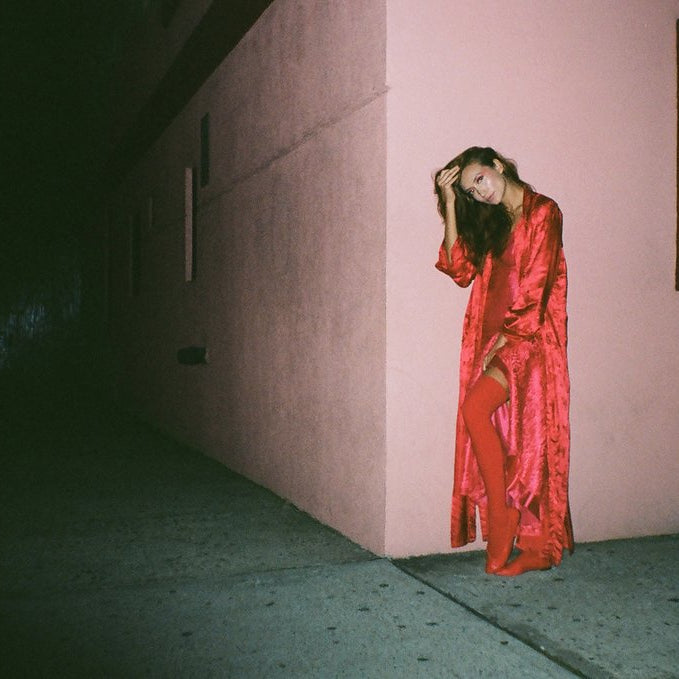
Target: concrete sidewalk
124,554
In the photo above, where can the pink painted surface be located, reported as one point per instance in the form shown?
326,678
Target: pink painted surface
582,95
289,294
332,373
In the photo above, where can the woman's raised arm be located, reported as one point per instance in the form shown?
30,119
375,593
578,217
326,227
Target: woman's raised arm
445,180
453,259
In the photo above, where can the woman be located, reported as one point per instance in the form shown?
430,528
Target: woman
512,434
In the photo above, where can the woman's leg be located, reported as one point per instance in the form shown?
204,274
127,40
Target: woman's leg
482,400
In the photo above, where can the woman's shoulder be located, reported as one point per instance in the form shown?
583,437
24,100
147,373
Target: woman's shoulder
540,207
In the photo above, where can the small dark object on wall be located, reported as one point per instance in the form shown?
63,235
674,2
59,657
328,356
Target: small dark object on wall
192,355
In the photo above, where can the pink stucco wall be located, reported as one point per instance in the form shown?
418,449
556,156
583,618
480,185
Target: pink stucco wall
289,297
332,341
583,95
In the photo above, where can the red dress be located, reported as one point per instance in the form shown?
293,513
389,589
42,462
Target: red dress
533,424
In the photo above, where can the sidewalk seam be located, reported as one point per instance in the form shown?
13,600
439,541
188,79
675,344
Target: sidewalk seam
524,640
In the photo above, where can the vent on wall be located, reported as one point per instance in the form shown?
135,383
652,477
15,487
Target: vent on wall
192,355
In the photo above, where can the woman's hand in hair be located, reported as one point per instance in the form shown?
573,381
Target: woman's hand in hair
445,180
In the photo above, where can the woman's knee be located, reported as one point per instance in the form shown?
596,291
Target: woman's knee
473,408
467,410
483,399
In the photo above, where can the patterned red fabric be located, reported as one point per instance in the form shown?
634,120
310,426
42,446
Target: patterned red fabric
534,423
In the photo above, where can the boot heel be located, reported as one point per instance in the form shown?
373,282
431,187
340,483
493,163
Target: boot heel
500,546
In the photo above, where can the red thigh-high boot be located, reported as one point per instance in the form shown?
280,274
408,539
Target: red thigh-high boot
481,401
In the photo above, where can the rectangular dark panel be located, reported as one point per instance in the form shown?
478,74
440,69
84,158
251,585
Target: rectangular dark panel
221,28
167,10
205,150
135,254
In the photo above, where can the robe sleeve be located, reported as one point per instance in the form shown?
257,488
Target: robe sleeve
457,266
526,314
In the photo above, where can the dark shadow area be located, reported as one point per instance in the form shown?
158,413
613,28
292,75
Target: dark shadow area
57,61
112,534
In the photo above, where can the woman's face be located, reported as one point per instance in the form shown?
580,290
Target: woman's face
484,183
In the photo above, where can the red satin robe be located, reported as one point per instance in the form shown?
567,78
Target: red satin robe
533,424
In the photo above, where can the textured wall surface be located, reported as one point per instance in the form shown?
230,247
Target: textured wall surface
289,296
583,96
332,341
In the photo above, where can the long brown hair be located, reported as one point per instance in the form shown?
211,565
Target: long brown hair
483,228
